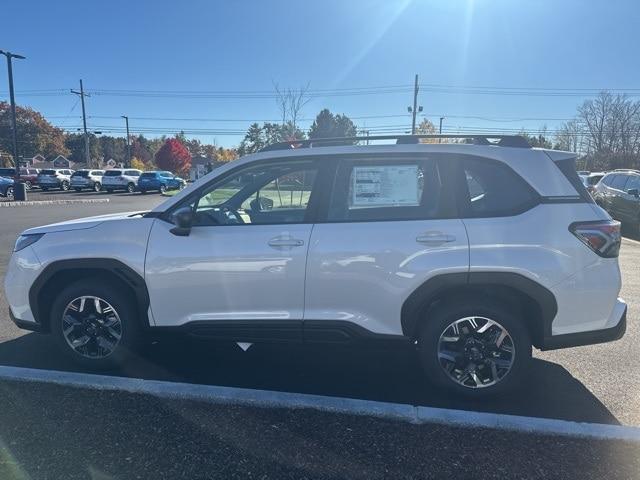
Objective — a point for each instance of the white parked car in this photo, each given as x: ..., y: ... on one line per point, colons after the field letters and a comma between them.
x: 121, y: 179
x: 87, y: 179
x: 55, y: 178
x: 471, y: 253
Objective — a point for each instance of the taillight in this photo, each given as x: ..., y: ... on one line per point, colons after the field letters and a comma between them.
x: 601, y: 236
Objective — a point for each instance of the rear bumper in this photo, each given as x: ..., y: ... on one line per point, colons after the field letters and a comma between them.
x: 591, y: 337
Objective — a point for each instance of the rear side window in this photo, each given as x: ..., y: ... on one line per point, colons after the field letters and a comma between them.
x: 385, y: 191
x: 48, y: 172
x: 608, y: 179
x: 82, y: 173
x: 112, y: 173
x: 619, y: 182
x: 148, y: 175
x: 492, y: 189
x: 568, y: 169
x: 132, y: 173
x: 634, y: 182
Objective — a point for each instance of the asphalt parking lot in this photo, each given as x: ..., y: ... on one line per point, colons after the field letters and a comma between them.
x: 598, y: 384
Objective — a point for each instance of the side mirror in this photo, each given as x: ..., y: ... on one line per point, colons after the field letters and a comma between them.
x: 634, y: 192
x: 183, y: 221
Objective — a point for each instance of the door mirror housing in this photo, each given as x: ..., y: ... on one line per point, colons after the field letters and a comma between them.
x: 634, y: 191
x: 183, y: 221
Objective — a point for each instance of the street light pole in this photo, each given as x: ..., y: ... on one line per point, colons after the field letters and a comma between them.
x: 14, y: 133
x: 440, y: 129
x: 126, y: 119
x: 87, y: 155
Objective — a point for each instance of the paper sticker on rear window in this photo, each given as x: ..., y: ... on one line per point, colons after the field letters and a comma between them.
x: 385, y: 185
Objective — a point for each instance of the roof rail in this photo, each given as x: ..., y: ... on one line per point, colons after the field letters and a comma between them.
x: 627, y: 170
x: 503, y: 141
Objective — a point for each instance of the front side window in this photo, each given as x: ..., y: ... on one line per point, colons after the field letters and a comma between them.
x: 385, y: 190
x: 633, y: 183
x: 268, y: 194
x: 619, y: 182
x: 493, y: 190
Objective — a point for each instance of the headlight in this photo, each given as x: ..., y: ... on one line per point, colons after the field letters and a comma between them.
x: 25, y: 240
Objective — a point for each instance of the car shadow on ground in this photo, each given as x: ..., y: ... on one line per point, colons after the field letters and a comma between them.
x: 549, y: 391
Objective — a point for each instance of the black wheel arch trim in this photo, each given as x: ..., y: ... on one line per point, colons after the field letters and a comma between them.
x: 115, y: 267
x: 441, y: 285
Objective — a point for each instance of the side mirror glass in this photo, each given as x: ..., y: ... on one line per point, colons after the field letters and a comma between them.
x: 634, y: 192
x: 183, y: 221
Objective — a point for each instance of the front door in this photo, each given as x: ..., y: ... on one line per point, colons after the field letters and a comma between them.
x: 244, y: 259
x: 628, y: 204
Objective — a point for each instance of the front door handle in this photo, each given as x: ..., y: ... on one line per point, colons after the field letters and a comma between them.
x: 435, y: 238
x: 279, y: 242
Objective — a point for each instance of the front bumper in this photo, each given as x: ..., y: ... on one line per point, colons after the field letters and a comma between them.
x: 590, y: 337
x: 24, y: 267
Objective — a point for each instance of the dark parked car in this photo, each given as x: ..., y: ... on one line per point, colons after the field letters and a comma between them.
x: 6, y: 188
x: 160, y: 181
x: 28, y: 175
x: 619, y: 194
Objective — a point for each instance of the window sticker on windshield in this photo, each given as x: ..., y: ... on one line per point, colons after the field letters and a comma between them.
x: 380, y: 186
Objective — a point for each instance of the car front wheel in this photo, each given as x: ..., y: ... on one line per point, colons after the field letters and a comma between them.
x: 10, y: 195
x: 97, y: 187
x: 95, y: 324
x: 64, y: 186
x: 131, y: 188
x: 163, y: 188
x: 474, y: 348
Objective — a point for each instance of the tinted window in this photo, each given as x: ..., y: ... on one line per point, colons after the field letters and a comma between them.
x: 81, y: 174
x: 113, y: 173
x: 634, y: 182
x: 148, y: 175
x: 97, y: 172
x: 132, y: 173
x: 48, y: 172
x: 266, y: 194
x: 494, y: 190
x: 166, y: 174
x: 593, y: 179
x: 7, y: 171
x: 389, y: 190
x: 619, y: 182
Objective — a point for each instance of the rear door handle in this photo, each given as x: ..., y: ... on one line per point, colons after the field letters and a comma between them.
x: 435, y: 238
x: 285, y: 242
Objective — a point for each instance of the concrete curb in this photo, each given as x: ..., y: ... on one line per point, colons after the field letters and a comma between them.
x: 33, y: 203
x: 270, y: 399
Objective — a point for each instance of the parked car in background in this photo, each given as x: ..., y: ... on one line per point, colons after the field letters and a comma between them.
x: 121, y: 179
x: 161, y: 181
x: 28, y: 175
x: 467, y: 253
x: 55, y: 178
x: 590, y: 181
x: 619, y: 194
x: 6, y: 187
x: 87, y: 179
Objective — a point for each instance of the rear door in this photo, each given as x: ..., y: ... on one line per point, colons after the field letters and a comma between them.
x: 388, y: 226
x: 617, y: 193
x: 629, y: 204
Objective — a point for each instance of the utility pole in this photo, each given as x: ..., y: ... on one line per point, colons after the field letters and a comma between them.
x: 440, y: 129
x: 415, y: 109
x: 87, y: 155
x: 126, y: 119
x: 20, y: 195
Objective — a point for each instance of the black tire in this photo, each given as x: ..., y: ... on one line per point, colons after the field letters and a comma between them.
x: 142, y: 192
x: 64, y: 186
x: 44, y: 189
x: 163, y: 188
x: 28, y: 185
x: 97, y: 187
x: 109, y: 190
x: 78, y: 189
x: 131, y: 187
x: 121, y: 303
x: 10, y: 193
x: 442, y: 316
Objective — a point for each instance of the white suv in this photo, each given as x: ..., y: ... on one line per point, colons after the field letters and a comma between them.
x: 55, y: 178
x: 471, y: 253
x: 121, y: 179
x: 89, y: 179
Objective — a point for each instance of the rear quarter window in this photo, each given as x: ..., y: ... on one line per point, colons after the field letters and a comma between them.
x: 619, y: 182
x: 490, y: 188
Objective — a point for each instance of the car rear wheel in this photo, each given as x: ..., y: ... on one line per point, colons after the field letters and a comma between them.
x: 45, y: 189
x: 77, y: 189
x: 28, y: 185
x: 163, y: 188
x: 64, y: 186
x: 95, y: 324
x: 109, y: 190
x: 142, y: 192
x: 10, y: 193
x: 475, y: 348
x: 97, y: 187
x: 131, y: 187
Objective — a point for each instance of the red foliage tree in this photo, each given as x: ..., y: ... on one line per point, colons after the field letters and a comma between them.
x: 173, y: 156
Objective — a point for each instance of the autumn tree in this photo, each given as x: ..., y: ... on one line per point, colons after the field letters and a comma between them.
x: 35, y: 134
x: 173, y: 156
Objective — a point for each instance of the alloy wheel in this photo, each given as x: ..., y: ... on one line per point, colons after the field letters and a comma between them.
x: 10, y: 193
x: 91, y: 327
x: 476, y: 352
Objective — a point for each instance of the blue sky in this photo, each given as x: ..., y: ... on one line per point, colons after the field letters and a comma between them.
x: 247, y: 45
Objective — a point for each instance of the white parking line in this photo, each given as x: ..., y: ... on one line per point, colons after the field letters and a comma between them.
x: 270, y: 399
x: 630, y: 240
